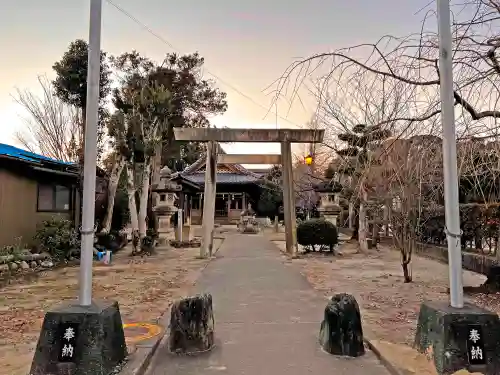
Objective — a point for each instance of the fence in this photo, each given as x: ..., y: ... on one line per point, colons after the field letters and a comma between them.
x: 479, y: 224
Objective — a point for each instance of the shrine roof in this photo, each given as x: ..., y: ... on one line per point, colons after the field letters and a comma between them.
x: 232, y: 173
x: 223, y: 178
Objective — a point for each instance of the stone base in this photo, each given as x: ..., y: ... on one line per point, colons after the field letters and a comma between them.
x: 97, y: 348
x: 341, y: 332
x: 187, y: 233
x: 443, y: 333
x: 164, y: 225
x: 185, y: 244
x: 192, y: 325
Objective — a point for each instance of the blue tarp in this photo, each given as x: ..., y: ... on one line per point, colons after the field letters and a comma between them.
x: 21, y: 154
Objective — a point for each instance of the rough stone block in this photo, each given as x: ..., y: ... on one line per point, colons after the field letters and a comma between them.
x: 341, y: 332
x: 493, y: 280
x: 192, y: 325
x: 96, y: 348
x: 443, y: 333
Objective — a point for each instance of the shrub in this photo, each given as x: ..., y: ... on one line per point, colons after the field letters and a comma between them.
x: 113, y: 241
x: 317, y: 232
x: 14, y: 250
x: 58, y: 238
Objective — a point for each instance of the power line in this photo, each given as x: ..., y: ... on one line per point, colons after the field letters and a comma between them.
x: 218, y: 78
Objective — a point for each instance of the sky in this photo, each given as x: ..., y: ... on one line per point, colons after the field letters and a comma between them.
x: 247, y: 45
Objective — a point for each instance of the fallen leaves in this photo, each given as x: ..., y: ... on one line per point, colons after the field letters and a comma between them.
x: 144, y: 289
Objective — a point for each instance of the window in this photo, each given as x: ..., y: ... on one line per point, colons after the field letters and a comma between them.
x: 53, y: 198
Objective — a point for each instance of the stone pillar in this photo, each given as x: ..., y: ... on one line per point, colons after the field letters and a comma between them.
x: 288, y: 199
x: 387, y: 218
x: 351, y: 215
x: 189, y: 209
x: 244, y: 202
x: 182, y: 201
x: 209, y: 200
x: 228, y: 204
x: 331, y: 218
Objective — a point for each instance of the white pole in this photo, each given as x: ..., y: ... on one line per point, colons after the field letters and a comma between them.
x: 452, y: 212
x: 90, y: 156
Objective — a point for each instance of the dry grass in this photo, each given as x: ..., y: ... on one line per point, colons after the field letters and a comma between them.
x: 145, y: 288
x: 389, y: 306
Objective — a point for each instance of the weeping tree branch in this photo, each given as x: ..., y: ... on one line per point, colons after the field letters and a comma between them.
x: 412, y: 62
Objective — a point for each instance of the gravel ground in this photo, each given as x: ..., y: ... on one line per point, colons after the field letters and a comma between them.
x: 144, y: 287
x: 389, y: 306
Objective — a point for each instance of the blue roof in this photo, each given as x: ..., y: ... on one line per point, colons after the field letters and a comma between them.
x: 18, y: 153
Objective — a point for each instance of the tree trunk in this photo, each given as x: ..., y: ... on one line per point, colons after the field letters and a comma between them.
x: 134, y: 222
x: 408, y: 243
x: 406, y: 273
x: 497, y: 244
x: 355, y: 232
x: 143, y: 201
x: 81, y: 151
x: 351, y: 215
x: 362, y: 234
x: 114, y: 179
x: 154, y: 221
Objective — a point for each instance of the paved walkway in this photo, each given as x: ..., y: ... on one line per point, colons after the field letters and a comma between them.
x: 267, y: 319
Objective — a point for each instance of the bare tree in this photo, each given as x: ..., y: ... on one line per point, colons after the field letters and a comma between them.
x: 53, y: 128
x: 356, y: 109
x: 412, y: 61
x: 409, y: 176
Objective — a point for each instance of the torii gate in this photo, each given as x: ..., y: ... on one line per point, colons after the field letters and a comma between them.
x: 283, y: 136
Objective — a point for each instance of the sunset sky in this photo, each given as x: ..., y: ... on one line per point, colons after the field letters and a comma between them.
x: 246, y: 44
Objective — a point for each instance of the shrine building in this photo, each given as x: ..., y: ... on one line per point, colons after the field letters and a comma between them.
x: 237, y: 187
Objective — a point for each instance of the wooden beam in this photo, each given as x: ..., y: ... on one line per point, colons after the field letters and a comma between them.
x: 249, y: 159
x: 249, y: 135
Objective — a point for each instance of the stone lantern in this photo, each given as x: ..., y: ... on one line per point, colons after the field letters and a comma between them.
x: 329, y: 206
x: 164, y: 204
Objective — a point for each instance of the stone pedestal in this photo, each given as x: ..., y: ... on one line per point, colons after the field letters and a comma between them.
x: 164, y: 224
x: 331, y: 218
x: 84, y: 340
x: 456, y: 339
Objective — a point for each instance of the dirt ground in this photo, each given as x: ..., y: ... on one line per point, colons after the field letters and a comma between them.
x: 144, y: 288
x: 389, y: 307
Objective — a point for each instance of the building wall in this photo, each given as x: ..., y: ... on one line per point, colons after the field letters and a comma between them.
x: 18, y: 209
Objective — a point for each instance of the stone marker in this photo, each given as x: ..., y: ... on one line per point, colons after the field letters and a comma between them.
x: 493, y: 278
x: 192, y: 325
x: 81, y: 340
x: 341, y: 332
x: 457, y: 339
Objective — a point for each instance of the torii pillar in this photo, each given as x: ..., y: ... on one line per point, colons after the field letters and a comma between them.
x: 208, y: 222
x: 283, y: 136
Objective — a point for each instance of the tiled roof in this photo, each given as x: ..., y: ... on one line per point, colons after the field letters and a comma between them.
x: 193, y: 168
x: 223, y: 178
x: 17, y: 153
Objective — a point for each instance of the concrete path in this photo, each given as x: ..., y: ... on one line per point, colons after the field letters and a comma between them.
x: 267, y: 319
